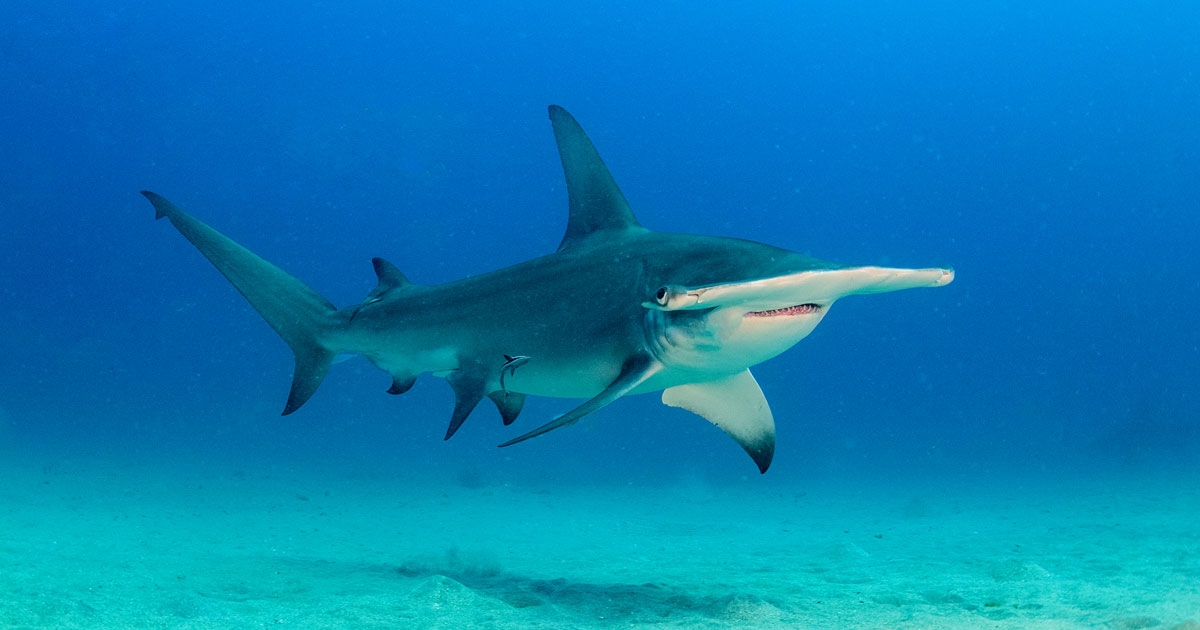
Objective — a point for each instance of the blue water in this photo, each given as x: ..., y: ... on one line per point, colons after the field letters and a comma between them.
x: 1050, y: 153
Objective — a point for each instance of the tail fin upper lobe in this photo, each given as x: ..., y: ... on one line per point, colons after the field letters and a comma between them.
x: 299, y: 314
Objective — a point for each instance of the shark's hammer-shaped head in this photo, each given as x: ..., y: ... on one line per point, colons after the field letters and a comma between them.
x: 724, y: 328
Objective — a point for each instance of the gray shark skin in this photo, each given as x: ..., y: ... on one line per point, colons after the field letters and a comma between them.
x: 619, y: 309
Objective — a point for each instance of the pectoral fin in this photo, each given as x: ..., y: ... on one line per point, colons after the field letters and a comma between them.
x: 735, y: 404
x: 635, y: 372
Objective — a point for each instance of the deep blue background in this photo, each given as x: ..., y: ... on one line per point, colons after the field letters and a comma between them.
x: 1049, y: 153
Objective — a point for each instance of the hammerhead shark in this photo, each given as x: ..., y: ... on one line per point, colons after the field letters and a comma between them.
x: 618, y: 309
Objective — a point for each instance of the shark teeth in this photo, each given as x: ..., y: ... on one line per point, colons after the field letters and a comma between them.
x: 787, y: 311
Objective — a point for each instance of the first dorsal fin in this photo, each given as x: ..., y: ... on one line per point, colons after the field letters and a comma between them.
x: 596, y: 203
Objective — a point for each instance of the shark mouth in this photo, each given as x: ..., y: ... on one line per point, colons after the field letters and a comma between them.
x: 788, y: 311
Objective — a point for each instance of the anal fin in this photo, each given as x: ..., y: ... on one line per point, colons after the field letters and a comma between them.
x: 401, y: 384
x: 635, y: 372
x: 737, y: 406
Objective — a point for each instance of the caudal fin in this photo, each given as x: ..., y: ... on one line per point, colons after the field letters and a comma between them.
x: 299, y: 314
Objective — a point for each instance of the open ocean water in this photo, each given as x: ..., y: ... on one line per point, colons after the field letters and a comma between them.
x: 1019, y: 449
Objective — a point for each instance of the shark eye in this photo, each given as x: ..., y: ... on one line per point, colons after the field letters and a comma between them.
x: 661, y: 296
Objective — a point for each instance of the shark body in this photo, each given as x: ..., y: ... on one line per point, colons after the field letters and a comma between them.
x: 618, y: 309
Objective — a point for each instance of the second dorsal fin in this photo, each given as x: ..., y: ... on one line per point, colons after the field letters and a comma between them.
x: 596, y: 203
x: 389, y: 277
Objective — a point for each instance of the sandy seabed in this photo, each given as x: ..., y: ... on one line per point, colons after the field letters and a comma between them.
x: 90, y: 544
